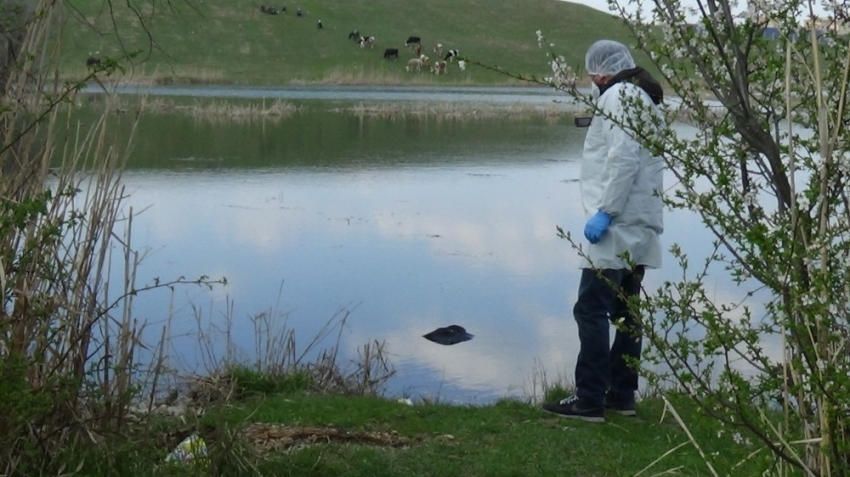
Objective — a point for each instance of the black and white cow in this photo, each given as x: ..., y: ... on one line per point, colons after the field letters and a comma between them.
x: 366, y: 40
x: 354, y: 35
x: 451, y: 55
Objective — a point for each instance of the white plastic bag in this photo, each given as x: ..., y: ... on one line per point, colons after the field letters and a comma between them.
x: 191, y: 449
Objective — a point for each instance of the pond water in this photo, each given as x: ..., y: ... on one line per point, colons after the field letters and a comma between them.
x: 405, y: 223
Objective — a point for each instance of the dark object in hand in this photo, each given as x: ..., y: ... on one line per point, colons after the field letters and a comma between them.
x: 583, y: 122
x: 449, y: 335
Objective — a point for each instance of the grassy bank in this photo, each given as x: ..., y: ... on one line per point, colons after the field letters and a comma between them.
x: 508, y: 438
x: 233, y: 42
x: 298, y: 432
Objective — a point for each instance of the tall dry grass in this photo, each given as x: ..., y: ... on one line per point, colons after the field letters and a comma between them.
x: 278, y: 359
x: 69, y: 342
x: 812, y: 336
x: 140, y: 75
x: 75, y: 368
x: 224, y: 111
x: 229, y: 111
x: 464, y: 111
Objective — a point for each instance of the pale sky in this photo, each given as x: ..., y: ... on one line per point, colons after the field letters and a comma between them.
x: 597, y: 4
x: 602, y: 5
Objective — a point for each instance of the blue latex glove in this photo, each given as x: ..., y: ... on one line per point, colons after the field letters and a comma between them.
x: 596, y: 226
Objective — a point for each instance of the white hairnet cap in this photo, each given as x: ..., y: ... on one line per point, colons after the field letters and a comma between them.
x: 607, y: 58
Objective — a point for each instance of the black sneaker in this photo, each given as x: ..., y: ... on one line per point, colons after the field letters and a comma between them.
x: 575, y: 408
x: 622, y: 407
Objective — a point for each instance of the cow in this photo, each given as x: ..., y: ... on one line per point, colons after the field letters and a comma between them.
x: 319, y: 25
x: 92, y: 61
x: 391, y: 53
x: 415, y: 63
x: 366, y: 40
x: 451, y: 55
x: 354, y: 35
x: 412, y: 39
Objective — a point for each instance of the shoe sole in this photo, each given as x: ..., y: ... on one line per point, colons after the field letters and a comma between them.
x: 621, y: 411
x: 598, y: 420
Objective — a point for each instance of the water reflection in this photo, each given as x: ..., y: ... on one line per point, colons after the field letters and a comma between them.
x: 411, y: 225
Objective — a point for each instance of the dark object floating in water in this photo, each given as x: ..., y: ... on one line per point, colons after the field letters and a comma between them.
x: 449, y: 335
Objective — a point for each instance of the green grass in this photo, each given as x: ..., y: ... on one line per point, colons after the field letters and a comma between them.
x: 282, y: 427
x: 508, y: 438
x: 233, y: 42
x: 250, y: 383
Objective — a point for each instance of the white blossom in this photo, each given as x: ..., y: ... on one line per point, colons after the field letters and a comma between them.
x: 750, y: 196
x: 564, y: 76
x: 843, y: 162
x: 741, y: 440
x: 802, y: 201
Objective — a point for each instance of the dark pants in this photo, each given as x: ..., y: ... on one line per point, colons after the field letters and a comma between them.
x: 601, y: 367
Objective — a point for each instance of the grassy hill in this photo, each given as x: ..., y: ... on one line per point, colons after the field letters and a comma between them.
x: 231, y: 41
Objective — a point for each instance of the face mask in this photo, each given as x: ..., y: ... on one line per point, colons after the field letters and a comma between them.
x: 594, y: 91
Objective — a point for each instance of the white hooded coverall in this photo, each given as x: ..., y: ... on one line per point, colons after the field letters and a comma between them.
x: 623, y: 180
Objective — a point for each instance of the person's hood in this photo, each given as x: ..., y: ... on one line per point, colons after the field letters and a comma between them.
x: 639, y: 77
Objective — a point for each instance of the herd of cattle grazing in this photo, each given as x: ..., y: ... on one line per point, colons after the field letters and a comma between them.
x: 420, y: 61
x: 281, y: 11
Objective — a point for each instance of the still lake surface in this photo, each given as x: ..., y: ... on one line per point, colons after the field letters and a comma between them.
x: 408, y: 223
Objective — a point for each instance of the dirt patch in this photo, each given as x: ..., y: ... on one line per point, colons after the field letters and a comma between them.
x: 265, y: 438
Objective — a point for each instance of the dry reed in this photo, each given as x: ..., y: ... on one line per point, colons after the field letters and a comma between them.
x: 70, y: 344
x: 461, y: 111
x: 141, y: 76
x: 225, y: 111
x: 275, y: 354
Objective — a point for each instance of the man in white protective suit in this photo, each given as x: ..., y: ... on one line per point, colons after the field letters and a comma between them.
x: 621, y: 184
